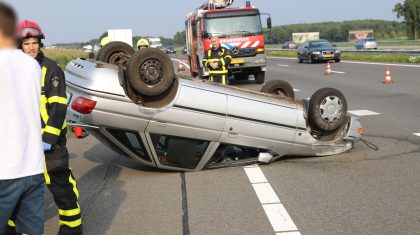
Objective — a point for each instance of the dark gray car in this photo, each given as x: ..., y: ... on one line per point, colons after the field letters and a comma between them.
x: 318, y: 50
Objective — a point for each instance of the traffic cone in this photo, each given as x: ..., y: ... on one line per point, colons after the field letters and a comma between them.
x: 388, y: 79
x: 328, y: 69
x: 78, y: 132
x: 180, y: 65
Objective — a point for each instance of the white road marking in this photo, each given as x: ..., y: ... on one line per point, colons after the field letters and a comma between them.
x: 283, y: 65
x: 417, y: 134
x: 184, y: 63
x: 337, y: 72
x: 295, y: 89
x: 274, y: 209
x: 363, y: 112
x: 354, y: 62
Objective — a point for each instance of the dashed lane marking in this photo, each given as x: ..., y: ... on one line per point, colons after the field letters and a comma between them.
x: 295, y: 90
x: 277, y: 215
x: 417, y: 134
x: 283, y: 65
x: 363, y: 113
x: 337, y: 72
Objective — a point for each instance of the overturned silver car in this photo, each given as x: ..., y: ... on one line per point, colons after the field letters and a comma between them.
x: 134, y: 103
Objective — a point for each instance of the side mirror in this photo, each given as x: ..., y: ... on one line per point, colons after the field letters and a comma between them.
x: 269, y: 23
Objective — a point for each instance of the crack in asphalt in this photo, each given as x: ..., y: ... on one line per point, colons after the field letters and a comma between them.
x: 88, y: 203
x: 185, y: 222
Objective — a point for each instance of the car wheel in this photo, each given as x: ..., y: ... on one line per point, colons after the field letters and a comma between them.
x: 278, y: 88
x: 150, y: 72
x: 259, y: 77
x: 310, y: 60
x: 115, y: 52
x: 327, y: 109
x: 337, y: 60
x: 300, y: 60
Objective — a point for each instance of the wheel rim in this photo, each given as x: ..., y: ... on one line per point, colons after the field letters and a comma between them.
x: 330, y: 108
x: 119, y: 56
x: 151, y: 72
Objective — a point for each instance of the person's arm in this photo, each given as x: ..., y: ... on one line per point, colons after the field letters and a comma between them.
x: 57, y: 106
x: 206, y: 60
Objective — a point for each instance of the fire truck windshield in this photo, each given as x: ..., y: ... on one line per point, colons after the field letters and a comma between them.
x: 233, y: 25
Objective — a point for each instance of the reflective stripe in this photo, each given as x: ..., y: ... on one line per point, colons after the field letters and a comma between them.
x: 11, y: 223
x: 218, y: 72
x: 211, y: 78
x: 73, y: 182
x: 64, y: 125
x: 57, y: 99
x: 223, y: 63
x: 44, y: 72
x: 72, y: 224
x: 214, y: 60
x: 72, y: 212
x: 52, y: 130
x: 228, y: 56
x: 224, y: 79
x: 46, y: 175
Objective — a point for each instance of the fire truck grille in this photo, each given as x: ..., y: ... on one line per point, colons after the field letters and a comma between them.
x: 243, y: 52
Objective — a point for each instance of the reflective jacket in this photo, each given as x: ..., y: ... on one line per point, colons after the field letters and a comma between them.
x: 221, y: 56
x: 53, y: 102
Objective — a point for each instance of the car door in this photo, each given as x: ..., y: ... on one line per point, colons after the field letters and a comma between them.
x: 182, y: 134
x: 260, y: 123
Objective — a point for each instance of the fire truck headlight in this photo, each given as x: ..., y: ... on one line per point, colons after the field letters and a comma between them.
x: 260, y: 50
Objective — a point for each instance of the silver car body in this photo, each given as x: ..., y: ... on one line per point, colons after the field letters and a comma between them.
x: 197, y: 110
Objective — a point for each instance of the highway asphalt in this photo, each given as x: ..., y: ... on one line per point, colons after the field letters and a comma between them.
x: 359, y: 192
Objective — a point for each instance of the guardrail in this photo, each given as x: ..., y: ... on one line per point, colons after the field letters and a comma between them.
x: 416, y: 51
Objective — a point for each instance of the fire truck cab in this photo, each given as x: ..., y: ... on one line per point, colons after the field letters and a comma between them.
x: 240, y: 31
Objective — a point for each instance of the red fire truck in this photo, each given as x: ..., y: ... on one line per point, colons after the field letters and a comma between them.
x: 240, y: 31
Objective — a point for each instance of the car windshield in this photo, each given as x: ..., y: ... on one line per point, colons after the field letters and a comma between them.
x: 370, y: 39
x: 320, y: 44
x: 238, y: 25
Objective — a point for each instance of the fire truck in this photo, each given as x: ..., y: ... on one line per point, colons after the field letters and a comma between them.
x: 240, y: 31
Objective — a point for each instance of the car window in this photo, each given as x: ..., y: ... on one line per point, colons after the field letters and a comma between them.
x: 132, y: 141
x: 320, y: 44
x: 177, y: 151
x: 228, y: 153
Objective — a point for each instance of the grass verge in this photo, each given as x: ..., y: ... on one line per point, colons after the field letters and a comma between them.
x: 371, y: 57
x: 63, y: 56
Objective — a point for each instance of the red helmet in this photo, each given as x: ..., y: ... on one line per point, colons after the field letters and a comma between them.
x: 29, y: 29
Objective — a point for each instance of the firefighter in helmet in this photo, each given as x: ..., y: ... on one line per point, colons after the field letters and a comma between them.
x: 104, y: 41
x: 216, y: 60
x: 142, y: 43
x: 58, y: 175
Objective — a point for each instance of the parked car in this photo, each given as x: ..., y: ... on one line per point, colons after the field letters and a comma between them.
x: 170, y: 50
x: 366, y: 43
x: 144, y: 112
x: 318, y: 50
x: 289, y: 45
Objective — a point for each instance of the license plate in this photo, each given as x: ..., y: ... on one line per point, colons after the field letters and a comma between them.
x: 237, y: 61
x: 69, y: 95
x: 328, y: 56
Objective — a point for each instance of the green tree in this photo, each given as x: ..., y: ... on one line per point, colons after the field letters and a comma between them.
x: 410, y: 11
x: 179, y: 38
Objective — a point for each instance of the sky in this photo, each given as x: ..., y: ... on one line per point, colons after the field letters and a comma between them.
x: 83, y: 20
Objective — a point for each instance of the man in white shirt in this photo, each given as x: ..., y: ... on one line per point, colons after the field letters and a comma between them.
x: 21, y: 149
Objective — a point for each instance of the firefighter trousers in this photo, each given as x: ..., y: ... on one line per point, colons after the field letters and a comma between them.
x: 220, y: 78
x: 62, y: 185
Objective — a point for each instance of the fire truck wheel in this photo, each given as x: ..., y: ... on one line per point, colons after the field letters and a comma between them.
x: 150, y: 72
x: 327, y: 109
x: 278, y: 88
x: 115, y: 52
x: 259, y: 77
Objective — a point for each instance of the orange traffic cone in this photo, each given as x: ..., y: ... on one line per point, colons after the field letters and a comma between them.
x: 328, y: 69
x: 388, y: 79
x: 78, y: 132
x: 180, y: 66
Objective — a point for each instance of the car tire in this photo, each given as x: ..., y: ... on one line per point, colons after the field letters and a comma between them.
x: 115, y: 52
x: 327, y: 109
x: 310, y: 60
x: 150, y: 72
x: 259, y: 77
x: 278, y: 88
x: 300, y: 60
x: 337, y: 60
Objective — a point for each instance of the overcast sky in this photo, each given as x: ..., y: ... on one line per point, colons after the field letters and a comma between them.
x: 83, y: 20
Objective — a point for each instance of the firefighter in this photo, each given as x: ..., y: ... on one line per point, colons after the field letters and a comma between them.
x: 104, y: 41
x: 216, y: 60
x: 142, y: 43
x: 58, y: 175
